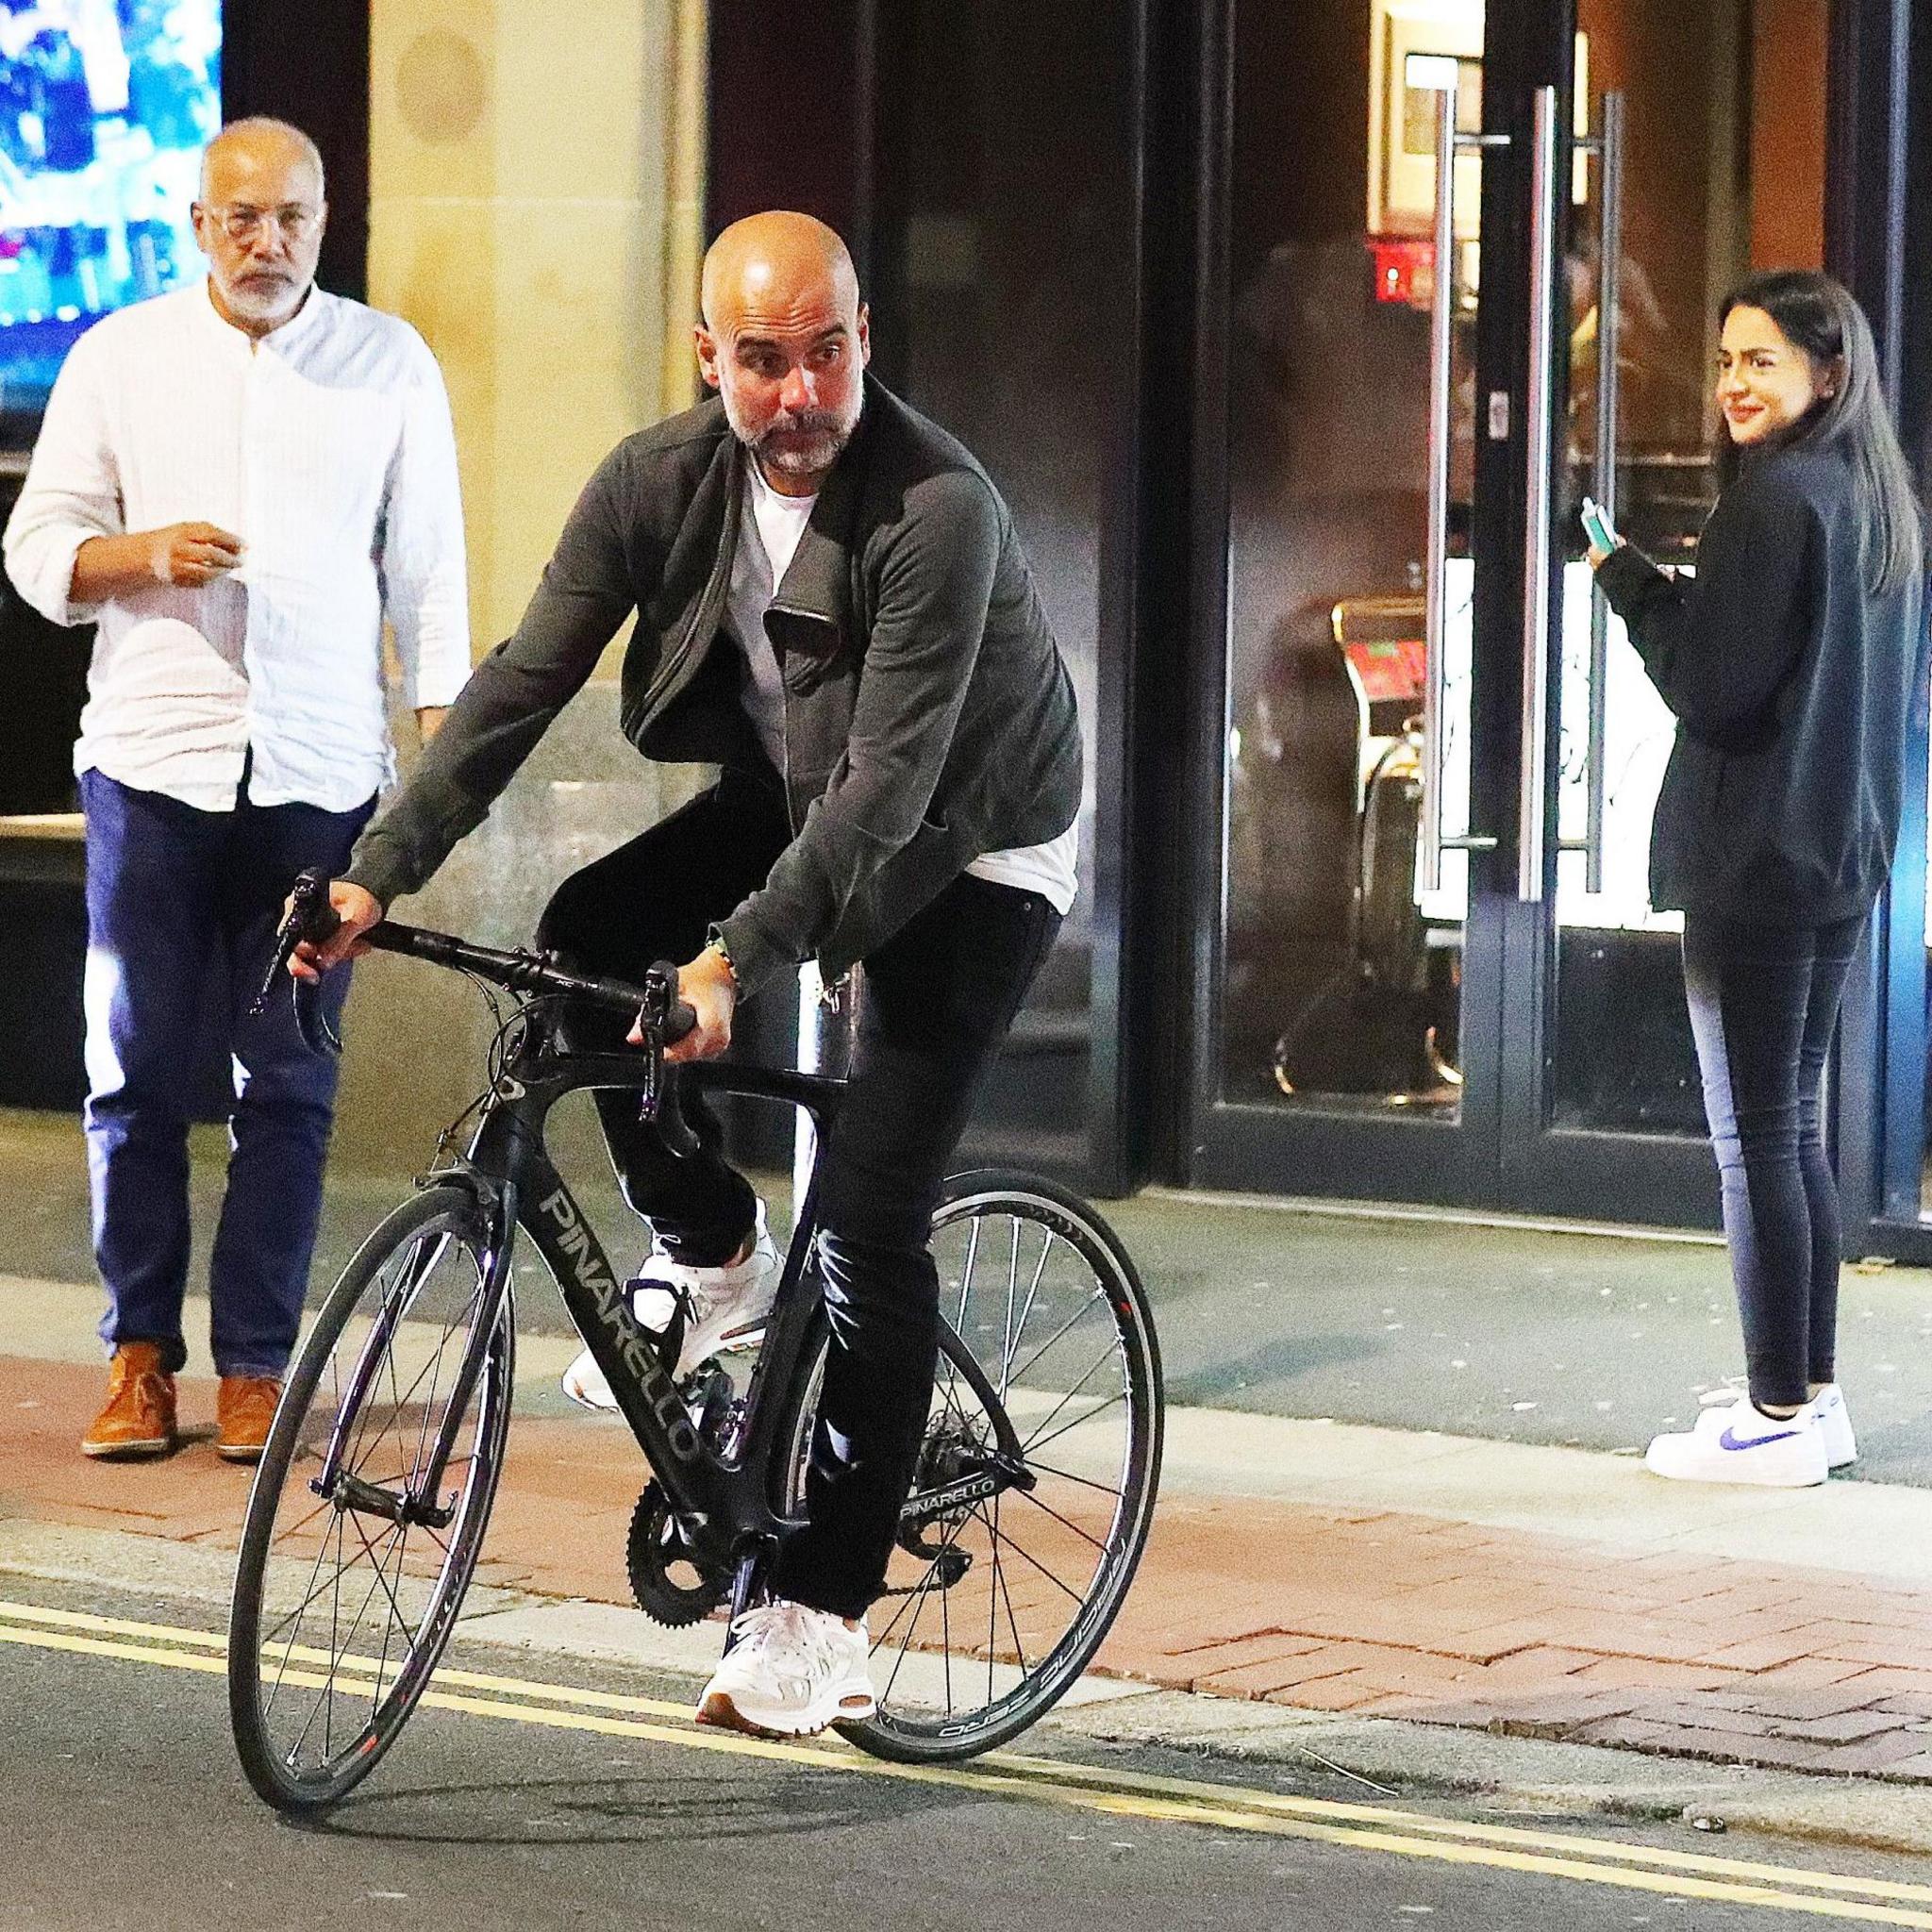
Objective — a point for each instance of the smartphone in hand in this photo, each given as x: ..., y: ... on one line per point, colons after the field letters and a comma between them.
x: 1597, y: 527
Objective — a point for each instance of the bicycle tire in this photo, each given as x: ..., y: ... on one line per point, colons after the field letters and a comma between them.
x: 405, y: 1307
x: 1009, y: 1404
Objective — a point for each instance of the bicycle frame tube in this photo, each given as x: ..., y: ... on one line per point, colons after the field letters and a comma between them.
x: 728, y: 1500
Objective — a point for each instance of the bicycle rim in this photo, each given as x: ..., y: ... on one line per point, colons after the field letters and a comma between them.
x: 344, y: 1600
x: 995, y: 1606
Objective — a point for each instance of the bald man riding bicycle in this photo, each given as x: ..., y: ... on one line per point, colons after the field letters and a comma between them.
x: 834, y: 609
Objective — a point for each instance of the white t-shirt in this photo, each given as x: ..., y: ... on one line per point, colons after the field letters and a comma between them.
x: 768, y: 540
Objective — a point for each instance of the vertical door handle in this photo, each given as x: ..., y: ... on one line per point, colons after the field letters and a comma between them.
x: 1609, y: 147
x: 1435, y: 584
x: 1536, y: 432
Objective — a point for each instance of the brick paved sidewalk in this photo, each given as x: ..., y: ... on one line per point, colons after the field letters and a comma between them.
x: 1361, y: 1609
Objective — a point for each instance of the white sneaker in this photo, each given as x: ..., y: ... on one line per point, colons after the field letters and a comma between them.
x: 587, y: 1385
x: 1736, y: 1442
x: 724, y: 1309
x: 793, y: 1671
x: 1826, y: 1408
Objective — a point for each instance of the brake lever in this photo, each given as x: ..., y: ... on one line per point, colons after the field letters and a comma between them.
x: 311, y: 918
x: 663, y: 1013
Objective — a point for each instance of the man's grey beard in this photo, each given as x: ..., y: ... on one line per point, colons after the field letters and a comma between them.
x: 806, y: 460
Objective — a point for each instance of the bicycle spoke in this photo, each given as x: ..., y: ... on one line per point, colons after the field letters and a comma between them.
x: 911, y: 1631
x: 1013, y: 1294
x: 1019, y: 1550
x: 966, y: 1273
x: 1086, y: 1415
x: 999, y: 1580
x: 1067, y: 1476
x: 1025, y: 1315
x: 992, y: 1612
x: 946, y: 1642
x: 1065, y: 1328
x: 402, y: 1537
x: 350, y: 1604
x: 1049, y: 1339
x: 314, y: 1591
x: 878, y: 1642
x: 302, y: 1522
x: 1110, y: 1353
x: 316, y: 1710
x: 919, y: 1590
x: 1033, y: 1497
x: 422, y: 1436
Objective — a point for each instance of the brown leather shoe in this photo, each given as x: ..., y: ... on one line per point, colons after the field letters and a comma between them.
x: 139, y: 1420
x: 244, y: 1407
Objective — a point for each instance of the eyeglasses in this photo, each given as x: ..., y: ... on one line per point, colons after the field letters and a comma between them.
x: 242, y: 223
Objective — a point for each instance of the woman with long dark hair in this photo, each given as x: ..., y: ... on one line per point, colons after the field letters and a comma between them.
x: 1790, y: 659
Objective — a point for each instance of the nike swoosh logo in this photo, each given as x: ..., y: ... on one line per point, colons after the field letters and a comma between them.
x: 1729, y: 1439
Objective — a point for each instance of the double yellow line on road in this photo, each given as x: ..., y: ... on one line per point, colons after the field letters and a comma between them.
x: 1112, y: 1793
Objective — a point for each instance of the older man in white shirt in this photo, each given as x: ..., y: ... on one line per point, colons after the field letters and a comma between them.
x: 237, y: 482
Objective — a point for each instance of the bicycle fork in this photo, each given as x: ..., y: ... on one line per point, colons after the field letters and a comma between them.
x: 416, y: 1503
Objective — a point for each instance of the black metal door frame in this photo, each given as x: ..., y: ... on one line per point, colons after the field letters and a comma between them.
x: 1879, y: 219
x: 1503, y: 1154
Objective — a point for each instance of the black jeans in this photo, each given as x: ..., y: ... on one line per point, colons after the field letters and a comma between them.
x: 940, y: 996
x: 1764, y: 1002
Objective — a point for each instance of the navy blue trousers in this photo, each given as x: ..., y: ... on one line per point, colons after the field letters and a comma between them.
x: 178, y: 897
x: 1764, y: 1003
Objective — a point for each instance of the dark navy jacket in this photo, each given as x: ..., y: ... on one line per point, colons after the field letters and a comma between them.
x: 1793, y: 687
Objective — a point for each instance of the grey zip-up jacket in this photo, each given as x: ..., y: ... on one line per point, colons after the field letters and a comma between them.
x: 928, y: 716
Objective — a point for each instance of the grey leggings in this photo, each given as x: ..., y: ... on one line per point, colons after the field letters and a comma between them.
x: 1764, y: 1003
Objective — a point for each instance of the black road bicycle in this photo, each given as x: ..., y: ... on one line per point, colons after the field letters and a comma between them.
x: 1035, y: 1484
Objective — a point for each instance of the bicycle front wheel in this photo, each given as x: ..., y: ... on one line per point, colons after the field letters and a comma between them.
x: 1048, y: 1395
x: 368, y: 1511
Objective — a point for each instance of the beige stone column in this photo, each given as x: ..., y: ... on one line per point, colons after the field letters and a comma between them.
x: 536, y: 187
x: 536, y: 202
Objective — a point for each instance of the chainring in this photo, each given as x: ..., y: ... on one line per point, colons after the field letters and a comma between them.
x: 672, y: 1587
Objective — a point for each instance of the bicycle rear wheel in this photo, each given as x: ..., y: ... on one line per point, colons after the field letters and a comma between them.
x: 1048, y: 1367
x: 354, y: 1556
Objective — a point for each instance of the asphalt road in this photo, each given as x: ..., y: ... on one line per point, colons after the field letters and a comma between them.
x: 123, y: 1807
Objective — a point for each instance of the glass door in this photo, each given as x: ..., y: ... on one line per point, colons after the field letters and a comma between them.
x: 1695, y: 154
x: 1339, y: 1013
x: 1473, y: 254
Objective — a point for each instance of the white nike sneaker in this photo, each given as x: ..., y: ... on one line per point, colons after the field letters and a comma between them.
x: 1826, y: 1408
x: 794, y: 1671
x: 1736, y: 1442
x: 724, y: 1309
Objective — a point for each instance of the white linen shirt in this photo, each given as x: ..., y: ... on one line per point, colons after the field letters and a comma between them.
x: 327, y: 447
